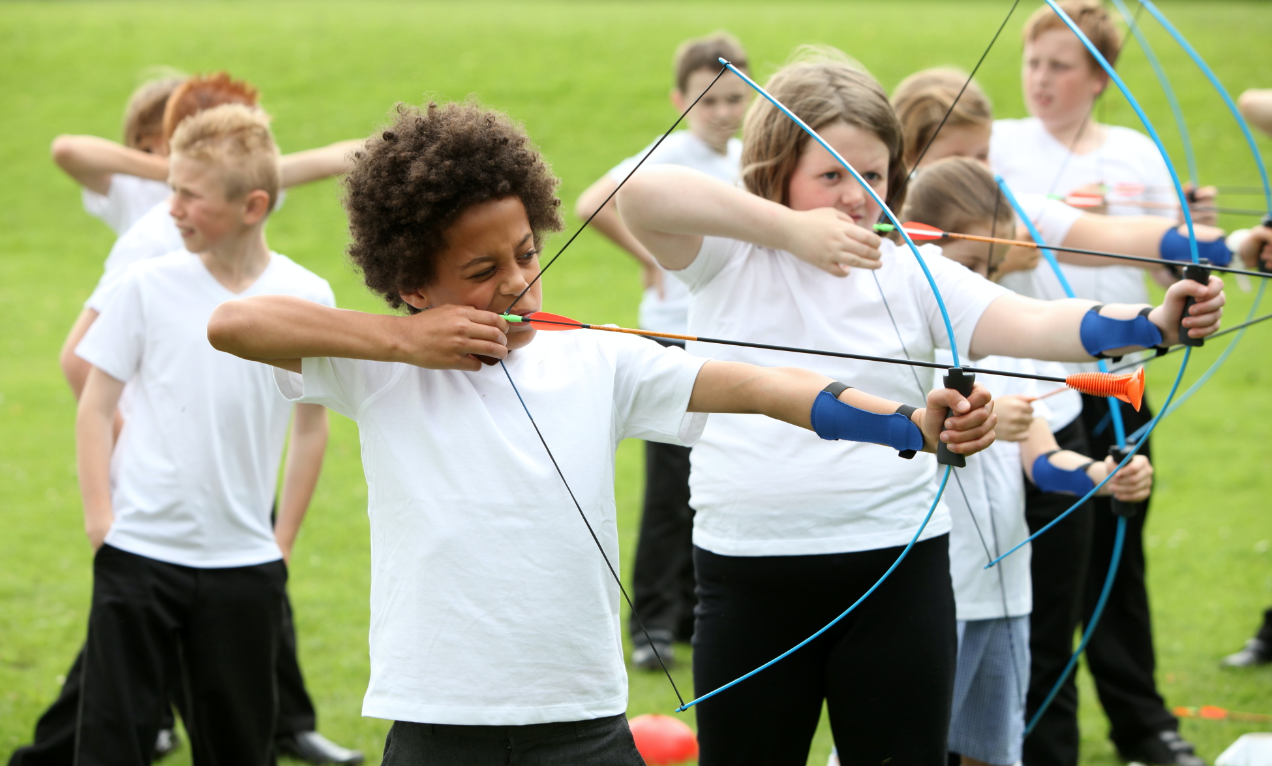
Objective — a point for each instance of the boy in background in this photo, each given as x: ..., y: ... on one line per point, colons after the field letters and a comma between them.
x: 189, y: 573
x: 663, y: 581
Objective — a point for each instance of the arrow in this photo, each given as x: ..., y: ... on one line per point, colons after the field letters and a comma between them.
x: 1129, y: 387
x: 1095, y: 200
x: 1212, y: 713
x: 923, y: 232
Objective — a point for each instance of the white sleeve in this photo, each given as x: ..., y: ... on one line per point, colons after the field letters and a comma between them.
x: 966, y: 295
x: 100, y: 206
x: 343, y: 385
x: 115, y: 342
x: 652, y: 386
x: 712, y: 257
x: 622, y: 169
x: 1052, y: 217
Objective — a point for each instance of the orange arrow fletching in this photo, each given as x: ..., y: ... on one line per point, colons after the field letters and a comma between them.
x: 1129, y: 387
x: 542, y: 320
x: 1083, y: 200
x: 918, y: 230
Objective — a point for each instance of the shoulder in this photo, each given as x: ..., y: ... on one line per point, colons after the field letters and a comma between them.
x: 293, y: 279
x: 1123, y: 139
x: 1013, y: 129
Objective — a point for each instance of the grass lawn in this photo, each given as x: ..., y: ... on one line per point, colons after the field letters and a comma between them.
x: 590, y: 81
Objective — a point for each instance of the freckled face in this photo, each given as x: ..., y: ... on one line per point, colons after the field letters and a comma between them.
x: 820, y: 181
x: 1059, y: 81
x: 489, y: 259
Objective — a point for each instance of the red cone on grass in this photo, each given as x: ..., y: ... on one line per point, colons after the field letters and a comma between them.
x: 662, y: 739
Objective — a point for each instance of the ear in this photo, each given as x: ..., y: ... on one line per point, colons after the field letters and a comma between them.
x: 416, y: 298
x: 1102, y: 77
x: 255, y: 206
x: 678, y: 99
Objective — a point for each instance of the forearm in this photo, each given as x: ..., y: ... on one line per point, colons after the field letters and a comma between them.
x: 1038, y: 441
x: 309, y: 165
x: 781, y: 393
x: 91, y: 161
x: 1026, y: 328
x: 1138, y: 235
x: 669, y: 210
x: 607, y: 221
x: 94, y: 442
x: 273, y: 328
x: 300, y: 473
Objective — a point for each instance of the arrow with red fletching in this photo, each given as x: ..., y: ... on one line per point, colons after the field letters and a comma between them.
x: 1128, y: 387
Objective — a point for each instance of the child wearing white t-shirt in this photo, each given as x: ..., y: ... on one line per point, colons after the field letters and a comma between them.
x: 1061, y: 149
x: 495, y: 625
x: 987, y: 508
x: 784, y: 536
x: 662, y: 576
x: 189, y: 574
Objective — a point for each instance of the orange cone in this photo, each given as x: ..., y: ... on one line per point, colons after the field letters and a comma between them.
x: 1129, y: 388
x: 662, y: 739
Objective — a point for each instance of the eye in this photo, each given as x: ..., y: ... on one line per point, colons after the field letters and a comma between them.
x: 527, y: 255
x: 832, y: 175
x: 872, y: 176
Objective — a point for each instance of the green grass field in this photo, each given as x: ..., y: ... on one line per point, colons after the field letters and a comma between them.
x: 590, y: 82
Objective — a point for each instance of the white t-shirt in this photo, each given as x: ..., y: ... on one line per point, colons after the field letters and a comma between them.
x: 987, y: 510
x: 194, y: 471
x: 154, y: 234
x: 490, y: 603
x: 1032, y: 161
x: 670, y: 313
x: 127, y: 200
x: 761, y: 488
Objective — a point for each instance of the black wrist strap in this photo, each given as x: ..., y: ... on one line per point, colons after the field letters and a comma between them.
x: 835, y: 388
x: 908, y: 411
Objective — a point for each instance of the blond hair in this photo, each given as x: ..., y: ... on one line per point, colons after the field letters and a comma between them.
x: 922, y: 100
x: 1090, y: 17
x: 235, y: 138
x: 143, y: 117
x: 957, y: 194
x: 705, y: 53
x: 822, y: 91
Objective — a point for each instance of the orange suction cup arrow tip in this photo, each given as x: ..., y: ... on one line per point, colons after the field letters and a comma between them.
x: 918, y: 230
x: 542, y: 320
x: 1129, y: 388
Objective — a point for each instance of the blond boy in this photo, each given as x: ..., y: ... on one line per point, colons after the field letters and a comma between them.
x: 189, y: 574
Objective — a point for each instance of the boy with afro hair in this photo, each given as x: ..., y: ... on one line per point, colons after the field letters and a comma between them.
x: 495, y: 626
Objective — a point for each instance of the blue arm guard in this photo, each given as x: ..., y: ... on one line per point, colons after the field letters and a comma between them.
x: 833, y: 419
x: 1048, y: 478
x: 1100, y: 333
x: 1174, y: 247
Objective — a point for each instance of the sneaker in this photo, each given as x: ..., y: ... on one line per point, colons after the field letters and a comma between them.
x: 1255, y: 652
x: 643, y: 656
x: 166, y: 741
x: 1165, y: 748
x: 312, y: 747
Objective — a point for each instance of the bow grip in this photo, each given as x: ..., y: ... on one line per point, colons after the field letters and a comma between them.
x: 1197, y: 272
x: 961, y: 382
x: 1120, y: 507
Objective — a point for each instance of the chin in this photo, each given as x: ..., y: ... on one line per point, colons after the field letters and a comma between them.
x: 521, y: 338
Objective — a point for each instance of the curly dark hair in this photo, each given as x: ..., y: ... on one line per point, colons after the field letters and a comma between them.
x: 415, y: 178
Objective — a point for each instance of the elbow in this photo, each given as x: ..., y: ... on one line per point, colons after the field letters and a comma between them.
x: 228, y: 324
x: 63, y: 151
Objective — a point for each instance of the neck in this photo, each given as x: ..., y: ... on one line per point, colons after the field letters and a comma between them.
x: 1081, y: 132
x: 720, y: 146
x: 238, y: 262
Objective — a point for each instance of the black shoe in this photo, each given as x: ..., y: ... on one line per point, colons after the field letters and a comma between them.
x: 644, y: 658
x: 1255, y: 652
x: 1165, y: 748
x: 312, y: 747
x: 166, y: 741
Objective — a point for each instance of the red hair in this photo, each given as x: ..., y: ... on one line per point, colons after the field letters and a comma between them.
x: 204, y: 92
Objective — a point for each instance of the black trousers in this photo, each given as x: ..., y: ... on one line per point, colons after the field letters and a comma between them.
x: 1265, y: 630
x: 54, y: 743
x: 150, y: 621
x: 886, y: 671
x: 662, y: 577
x: 1121, y: 655
x: 1058, y: 567
x: 599, y: 742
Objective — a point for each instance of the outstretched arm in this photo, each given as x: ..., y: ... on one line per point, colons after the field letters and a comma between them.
x: 310, y: 165
x: 300, y: 475
x: 1130, y: 235
x: 1132, y: 484
x: 281, y: 330
x: 788, y: 394
x: 670, y: 209
x: 91, y: 161
x: 1014, y: 325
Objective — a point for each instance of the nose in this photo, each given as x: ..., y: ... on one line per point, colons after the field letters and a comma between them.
x: 174, y: 206
x: 851, y: 194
